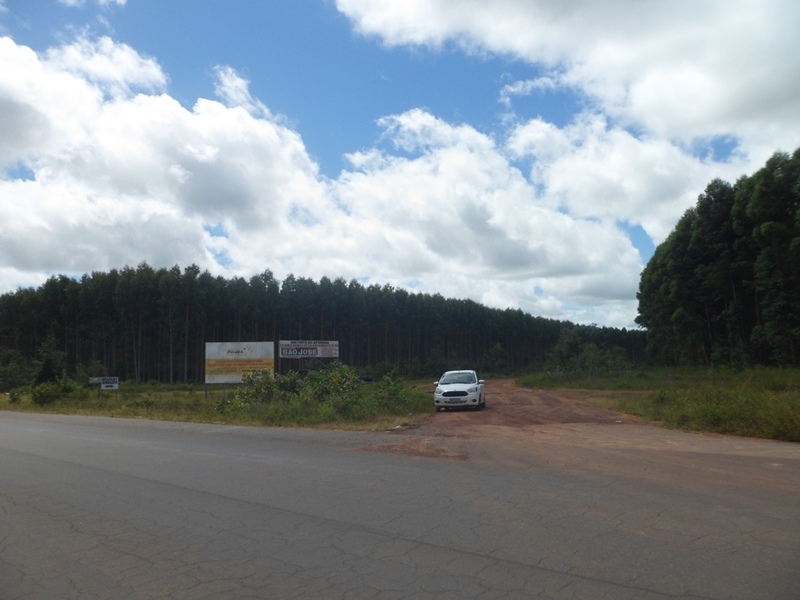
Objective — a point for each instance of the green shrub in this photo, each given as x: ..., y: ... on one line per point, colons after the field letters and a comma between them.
x: 16, y: 371
x: 331, y: 395
x: 46, y: 393
x: 50, y: 391
x: 73, y: 391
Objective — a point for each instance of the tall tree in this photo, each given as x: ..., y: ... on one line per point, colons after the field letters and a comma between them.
x: 724, y: 285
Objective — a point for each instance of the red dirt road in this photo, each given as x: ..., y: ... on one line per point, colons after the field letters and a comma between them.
x: 560, y: 429
x: 515, y: 407
x: 514, y: 418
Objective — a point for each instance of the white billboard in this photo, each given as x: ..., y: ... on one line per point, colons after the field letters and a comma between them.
x: 308, y: 349
x: 226, y: 362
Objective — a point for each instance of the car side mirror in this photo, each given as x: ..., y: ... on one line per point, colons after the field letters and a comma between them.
x: 435, y: 383
x: 481, y: 381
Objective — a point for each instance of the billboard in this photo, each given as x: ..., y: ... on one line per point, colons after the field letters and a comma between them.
x: 226, y: 362
x: 308, y: 349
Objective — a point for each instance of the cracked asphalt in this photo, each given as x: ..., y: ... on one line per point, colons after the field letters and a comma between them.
x: 539, y: 496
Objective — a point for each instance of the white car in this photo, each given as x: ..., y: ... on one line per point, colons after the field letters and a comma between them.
x: 456, y: 389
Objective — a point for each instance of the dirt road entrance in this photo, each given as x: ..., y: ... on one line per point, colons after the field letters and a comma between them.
x: 560, y: 426
x: 516, y: 407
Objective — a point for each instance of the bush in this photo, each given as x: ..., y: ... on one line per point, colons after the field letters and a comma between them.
x: 15, y: 370
x: 46, y: 393
x: 50, y: 391
x: 335, y: 394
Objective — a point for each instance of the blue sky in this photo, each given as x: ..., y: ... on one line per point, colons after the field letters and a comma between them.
x: 521, y: 153
x: 302, y: 59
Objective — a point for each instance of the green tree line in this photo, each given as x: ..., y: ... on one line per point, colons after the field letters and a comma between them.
x: 145, y: 324
x: 724, y: 287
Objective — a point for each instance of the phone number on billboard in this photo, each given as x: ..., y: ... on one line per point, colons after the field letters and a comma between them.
x: 298, y: 352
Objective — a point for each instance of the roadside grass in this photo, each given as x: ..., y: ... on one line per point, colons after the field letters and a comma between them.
x: 761, y: 403
x: 146, y: 401
x: 334, y: 398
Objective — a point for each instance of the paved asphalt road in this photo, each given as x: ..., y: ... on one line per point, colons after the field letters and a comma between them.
x: 125, y: 509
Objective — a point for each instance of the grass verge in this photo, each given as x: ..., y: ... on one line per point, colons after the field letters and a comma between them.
x: 762, y: 403
x: 334, y: 398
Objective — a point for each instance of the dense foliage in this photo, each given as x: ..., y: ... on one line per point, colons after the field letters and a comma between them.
x: 330, y: 395
x: 724, y: 287
x: 144, y: 324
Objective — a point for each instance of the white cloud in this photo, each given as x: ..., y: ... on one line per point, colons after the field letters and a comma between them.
x: 80, y: 3
x: 528, y: 218
x: 685, y: 71
x: 593, y: 170
x: 127, y: 177
x: 660, y: 84
x: 525, y: 88
x: 462, y: 216
x: 234, y: 90
x: 124, y: 177
x: 115, y: 68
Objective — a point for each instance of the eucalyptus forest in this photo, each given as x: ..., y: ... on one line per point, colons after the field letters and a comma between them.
x: 144, y: 324
x: 722, y: 289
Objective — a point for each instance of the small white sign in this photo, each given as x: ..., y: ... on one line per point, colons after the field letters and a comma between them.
x: 109, y: 383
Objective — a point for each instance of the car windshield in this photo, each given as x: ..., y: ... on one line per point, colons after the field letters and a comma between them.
x: 458, y: 378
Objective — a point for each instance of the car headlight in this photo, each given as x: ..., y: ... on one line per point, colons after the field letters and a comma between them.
x: 473, y: 389
x: 438, y: 391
